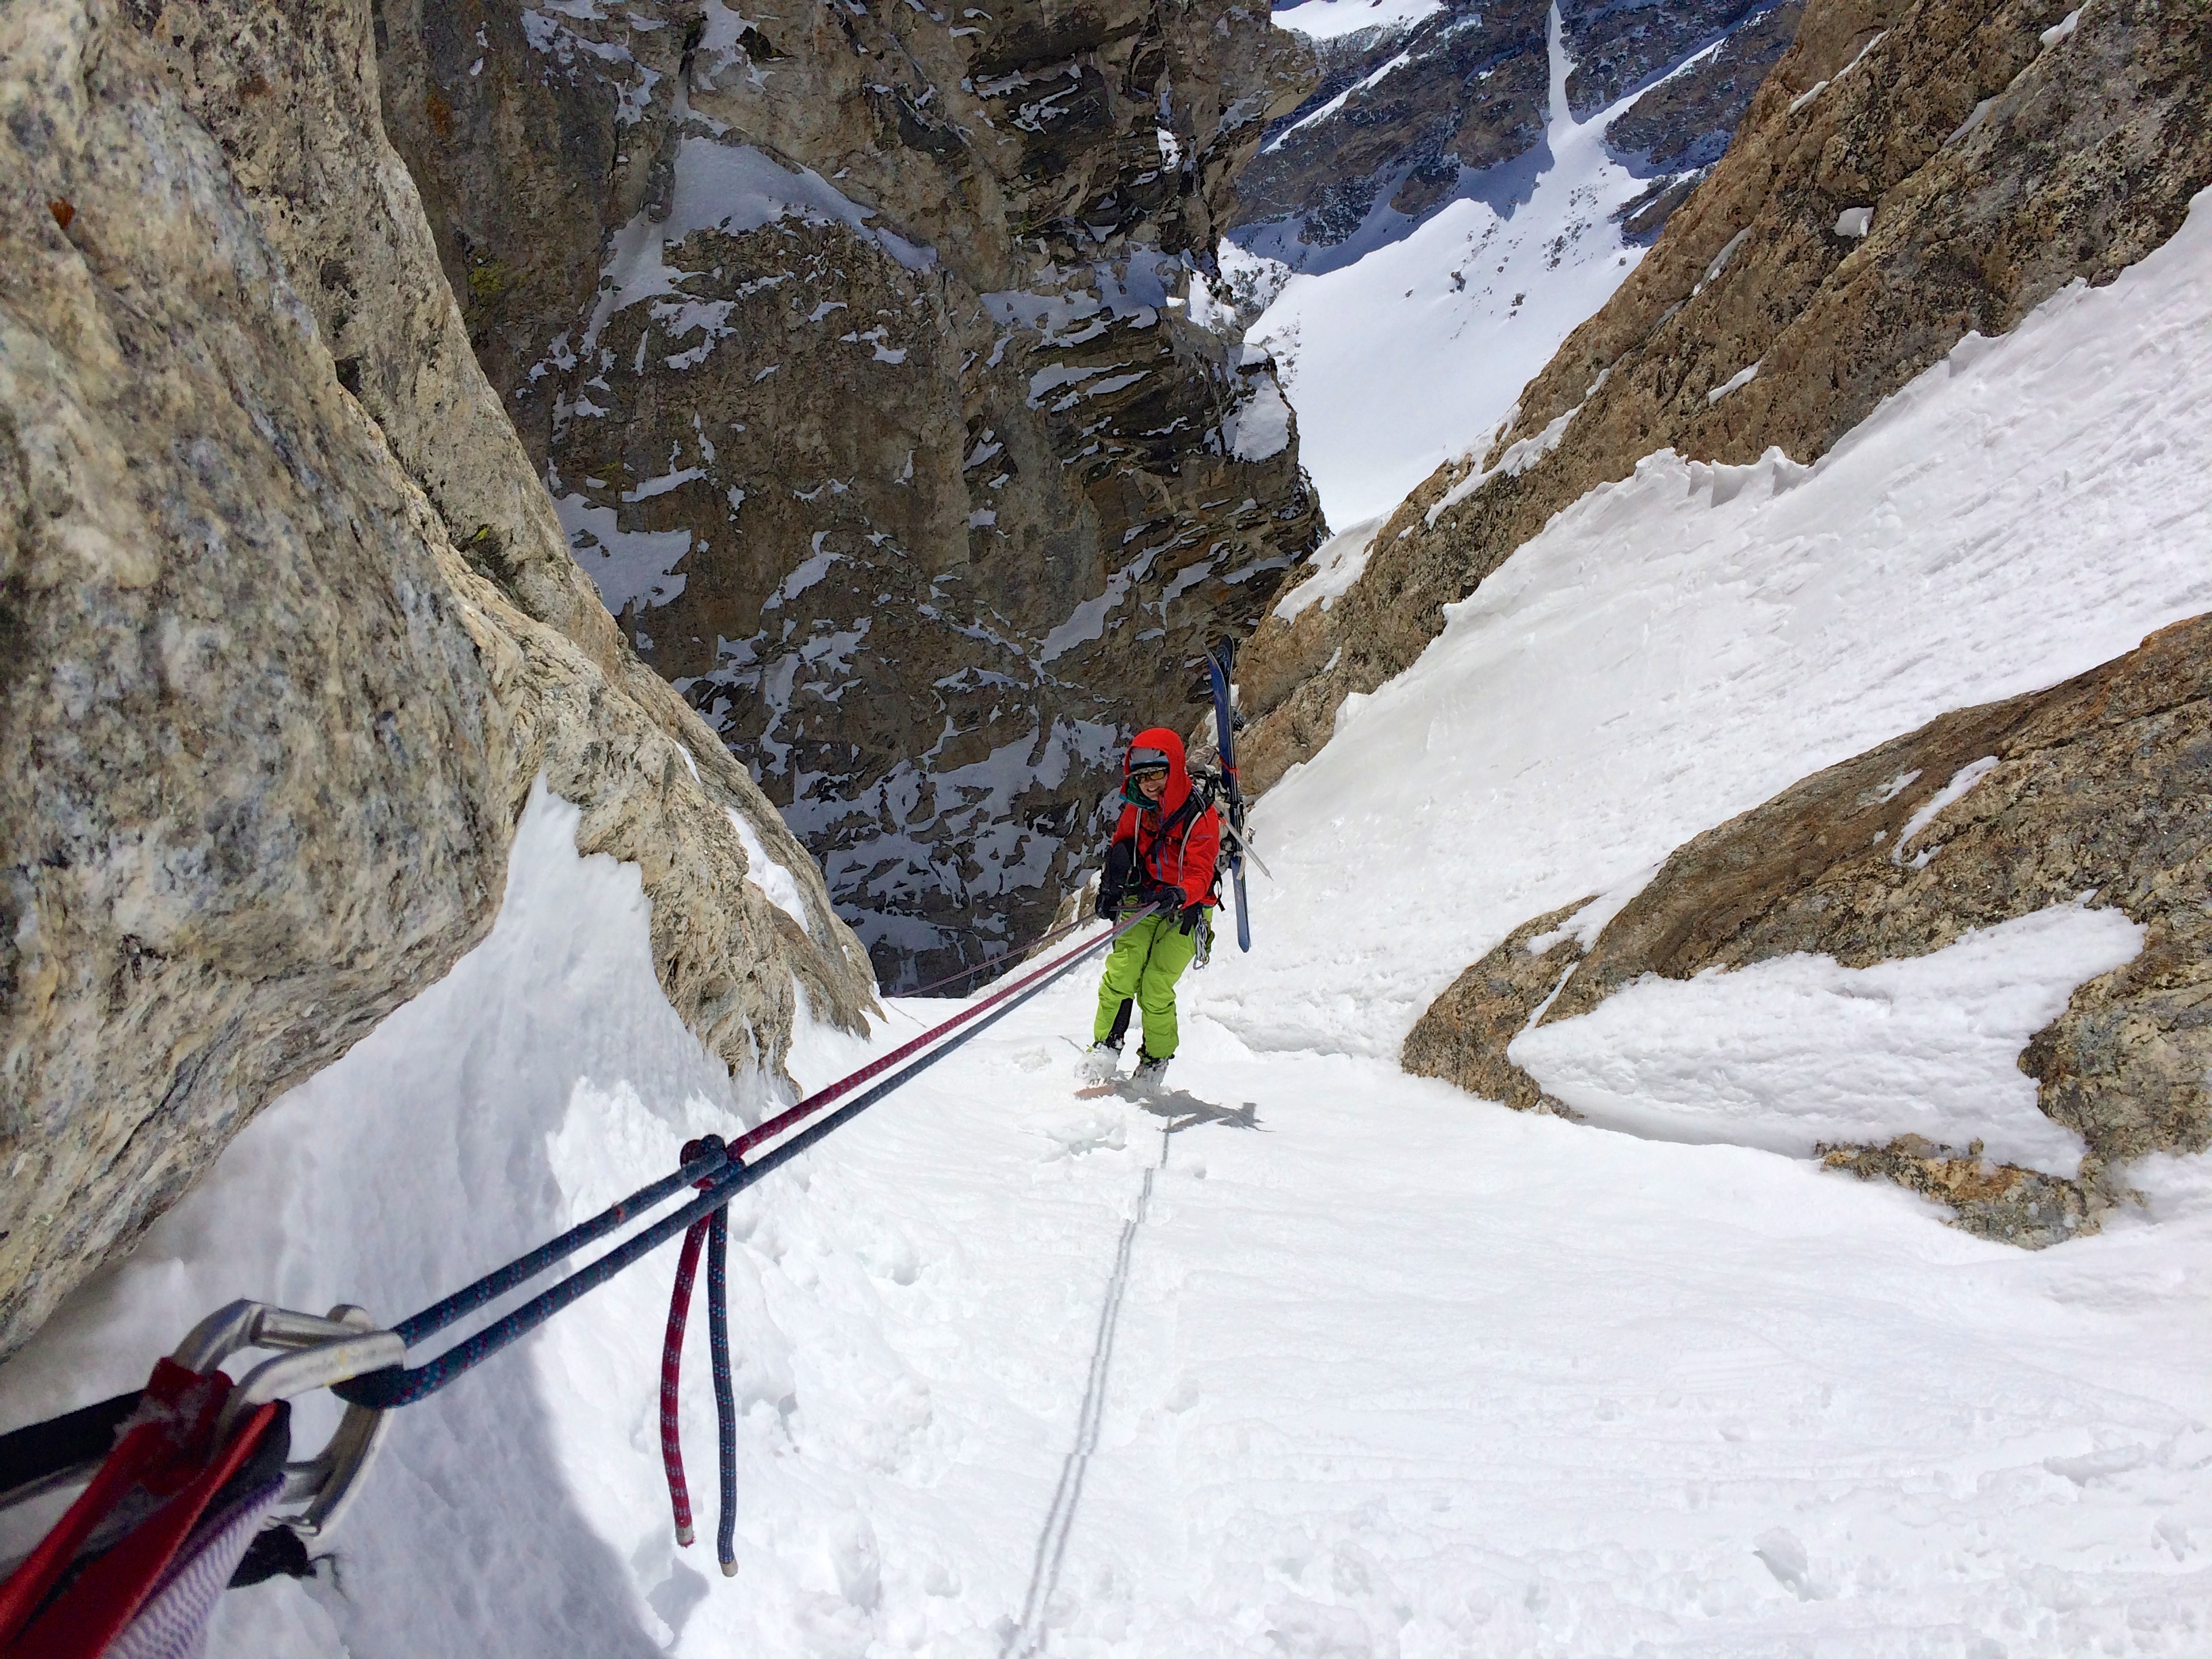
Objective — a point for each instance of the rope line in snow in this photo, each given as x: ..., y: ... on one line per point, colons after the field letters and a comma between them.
x: 1027, y: 1637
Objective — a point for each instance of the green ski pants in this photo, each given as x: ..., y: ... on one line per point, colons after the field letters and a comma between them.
x: 1144, y: 963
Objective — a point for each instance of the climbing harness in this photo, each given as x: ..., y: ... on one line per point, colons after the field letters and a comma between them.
x: 187, y: 1475
x: 197, y: 1464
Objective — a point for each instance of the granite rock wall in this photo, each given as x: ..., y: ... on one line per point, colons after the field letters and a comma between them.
x: 287, y: 632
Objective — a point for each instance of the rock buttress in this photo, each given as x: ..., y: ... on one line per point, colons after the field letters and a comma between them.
x: 855, y: 349
x: 288, y: 633
x: 2096, y: 791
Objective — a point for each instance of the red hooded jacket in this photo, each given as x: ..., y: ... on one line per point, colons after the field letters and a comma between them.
x: 1185, y: 855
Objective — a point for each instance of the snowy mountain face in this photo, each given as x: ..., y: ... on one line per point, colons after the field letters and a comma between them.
x: 1820, y: 266
x: 1469, y: 185
x: 1315, y: 1357
x: 1782, y: 318
x: 855, y: 351
x: 1811, y: 781
x: 1415, y: 110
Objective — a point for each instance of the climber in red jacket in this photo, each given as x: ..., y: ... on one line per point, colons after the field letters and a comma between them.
x: 1163, y: 852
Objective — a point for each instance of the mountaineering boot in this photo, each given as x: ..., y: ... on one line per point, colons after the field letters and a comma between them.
x: 1100, y: 1062
x: 1150, y: 1079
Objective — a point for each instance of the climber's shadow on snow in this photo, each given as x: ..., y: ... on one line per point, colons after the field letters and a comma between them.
x: 1187, y: 1111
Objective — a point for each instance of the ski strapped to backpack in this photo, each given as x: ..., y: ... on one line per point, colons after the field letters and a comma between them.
x: 1235, y: 845
x: 187, y: 1475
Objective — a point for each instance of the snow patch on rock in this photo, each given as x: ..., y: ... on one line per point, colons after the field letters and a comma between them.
x: 1797, y: 1051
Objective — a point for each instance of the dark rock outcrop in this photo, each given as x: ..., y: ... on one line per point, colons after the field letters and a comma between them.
x: 288, y: 631
x: 1684, y: 123
x: 854, y: 347
x: 1994, y: 167
x: 2097, y: 791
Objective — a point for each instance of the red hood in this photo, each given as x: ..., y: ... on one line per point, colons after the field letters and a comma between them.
x: 1159, y: 738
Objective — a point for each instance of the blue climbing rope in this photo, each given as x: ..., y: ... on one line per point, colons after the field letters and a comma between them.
x: 726, y: 1408
x: 718, y: 1178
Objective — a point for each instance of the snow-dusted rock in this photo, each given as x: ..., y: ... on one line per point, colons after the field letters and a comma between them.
x: 847, y: 340
x: 1432, y: 102
x: 2055, y: 814
x: 1464, y: 1035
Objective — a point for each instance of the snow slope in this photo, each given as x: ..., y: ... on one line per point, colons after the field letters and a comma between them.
x: 1322, y: 1361
x: 1401, y: 348
x: 1330, y: 19
x: 1326, y: 1360
x: 1789, y: 1053
x: 1677, y: 647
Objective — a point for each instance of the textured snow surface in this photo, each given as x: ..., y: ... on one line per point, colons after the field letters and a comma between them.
x: 1404, y: 346
x: 1679, y: 647
x: 1325, y: 20
x: 1789, y: 1053
x: 1260, y: 426
x: 1337, y: 563
x: 1348, y: 1364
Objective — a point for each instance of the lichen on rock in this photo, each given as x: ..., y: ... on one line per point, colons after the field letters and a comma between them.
x: 1463, y: 1034
x: 2001, y: 1201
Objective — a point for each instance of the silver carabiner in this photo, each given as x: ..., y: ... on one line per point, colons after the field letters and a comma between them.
x: 313, y: 1352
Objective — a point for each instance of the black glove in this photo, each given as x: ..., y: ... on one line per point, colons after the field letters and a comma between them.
x: 1194, y: 916
x: 1113, y: 880
x: 1168, y: 898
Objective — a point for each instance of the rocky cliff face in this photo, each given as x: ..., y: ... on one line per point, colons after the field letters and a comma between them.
x: 1405, y: 119
x: 1906, y: 174
x: 2098, y: 791
x: 855, y: 346
x: 290, y: 628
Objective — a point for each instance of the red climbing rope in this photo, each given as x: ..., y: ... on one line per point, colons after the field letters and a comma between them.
x: 814, y: 1103
x: 671, y: 1377
x: 713, y: 1232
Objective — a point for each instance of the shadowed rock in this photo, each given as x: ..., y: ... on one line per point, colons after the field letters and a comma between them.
x: 854, y: 347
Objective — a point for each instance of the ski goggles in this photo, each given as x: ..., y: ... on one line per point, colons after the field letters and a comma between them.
x: 1147, y: 760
